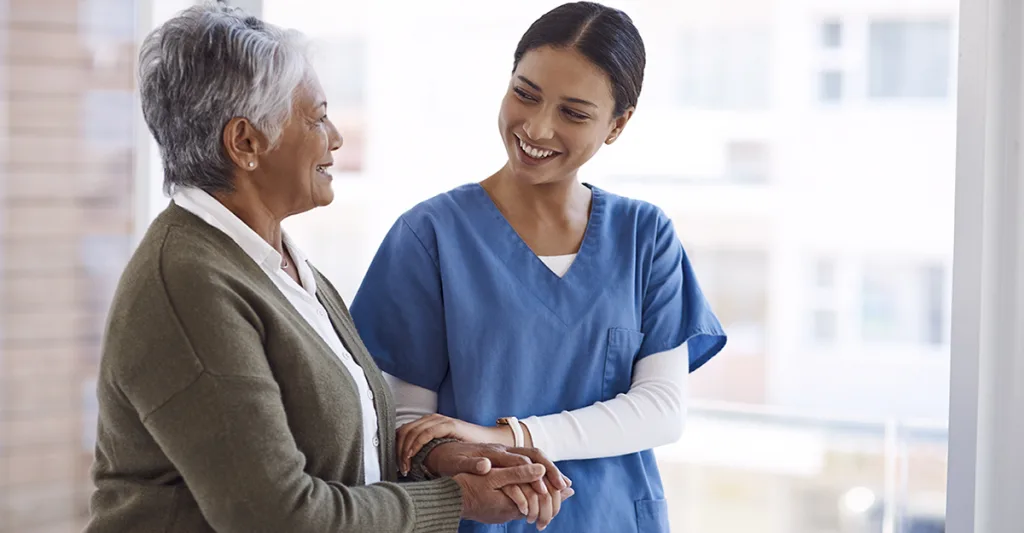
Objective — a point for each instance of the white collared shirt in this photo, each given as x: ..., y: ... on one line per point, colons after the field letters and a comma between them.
x: 303, y: 299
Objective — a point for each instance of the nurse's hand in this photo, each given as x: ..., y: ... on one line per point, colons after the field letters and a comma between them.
x: 415, y: 435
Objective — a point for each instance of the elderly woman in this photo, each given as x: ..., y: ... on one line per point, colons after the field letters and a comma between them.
x: 235, y: 394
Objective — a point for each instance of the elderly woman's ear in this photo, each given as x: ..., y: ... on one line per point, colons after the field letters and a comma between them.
x: 243, y: 143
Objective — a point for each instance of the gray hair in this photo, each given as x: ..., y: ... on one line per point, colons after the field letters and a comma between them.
x: 204, y: 67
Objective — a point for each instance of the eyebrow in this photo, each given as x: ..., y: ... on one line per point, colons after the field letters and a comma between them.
x: 321, y: 104
x: 537, y: 88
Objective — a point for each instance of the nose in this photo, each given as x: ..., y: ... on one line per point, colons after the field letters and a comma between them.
x: 539, y: 127
x: 334, y: 138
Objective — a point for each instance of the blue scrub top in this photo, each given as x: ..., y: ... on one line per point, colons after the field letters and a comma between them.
x: 456, y: 302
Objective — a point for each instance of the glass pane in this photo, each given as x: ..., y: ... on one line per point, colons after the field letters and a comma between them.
x: 66, y: 223
x: 910, y: 58
x: 831, y: 86
x: 831, y: 34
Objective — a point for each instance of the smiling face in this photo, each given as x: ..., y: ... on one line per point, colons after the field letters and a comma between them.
x: 297, y: 167
x: 557, y: 113
x: 292, y: 177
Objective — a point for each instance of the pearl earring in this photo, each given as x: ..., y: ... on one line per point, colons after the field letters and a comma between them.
x: 252, y: 164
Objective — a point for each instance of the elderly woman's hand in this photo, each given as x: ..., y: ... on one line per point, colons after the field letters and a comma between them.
x: 482, y: 498
x: 539, y: 502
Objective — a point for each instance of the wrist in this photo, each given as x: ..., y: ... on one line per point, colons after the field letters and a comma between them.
x: 516, y: 427
x: 429, y: 459
x: 503, y: 435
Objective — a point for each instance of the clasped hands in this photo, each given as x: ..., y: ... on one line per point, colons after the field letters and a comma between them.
x: 499, y: 483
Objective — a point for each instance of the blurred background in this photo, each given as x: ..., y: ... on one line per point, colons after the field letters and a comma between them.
x: 804, y: 149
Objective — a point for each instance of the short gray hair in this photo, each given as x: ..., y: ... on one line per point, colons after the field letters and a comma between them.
x: 204, y: 67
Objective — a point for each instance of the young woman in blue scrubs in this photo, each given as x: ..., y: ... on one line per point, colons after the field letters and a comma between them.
x: 534, y: 296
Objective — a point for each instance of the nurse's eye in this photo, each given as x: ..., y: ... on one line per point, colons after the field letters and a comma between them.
x: 523, y: 95
x: 575, y: 115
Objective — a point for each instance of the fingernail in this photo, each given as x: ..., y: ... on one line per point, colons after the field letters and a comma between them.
x: 524, y: 511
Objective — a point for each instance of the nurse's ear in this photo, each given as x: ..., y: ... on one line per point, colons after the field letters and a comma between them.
x: 618, y: 125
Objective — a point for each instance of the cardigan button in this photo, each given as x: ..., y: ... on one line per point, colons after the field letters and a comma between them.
x: 376, y: 442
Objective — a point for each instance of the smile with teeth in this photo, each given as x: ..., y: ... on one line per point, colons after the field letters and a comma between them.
x: 322, y: 169
x: 534, y: 152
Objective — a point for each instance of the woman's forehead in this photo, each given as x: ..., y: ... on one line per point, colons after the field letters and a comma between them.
x: 561, y: 72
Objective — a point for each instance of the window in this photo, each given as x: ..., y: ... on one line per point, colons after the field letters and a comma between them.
x: 825, y: 273
x: 904, y: 303
x: 909, y: 59
x: 750, y: 459
x: 831, y: 34
x: 747, y: 162
x: 725, y: 68
x: 830, y: 86
x: 824, y: 315
x: 825, y: 326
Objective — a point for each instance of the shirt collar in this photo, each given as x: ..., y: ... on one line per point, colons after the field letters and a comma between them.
x: 203, y: 205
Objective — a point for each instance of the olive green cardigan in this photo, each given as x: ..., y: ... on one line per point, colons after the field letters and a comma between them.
x: 221, y: 409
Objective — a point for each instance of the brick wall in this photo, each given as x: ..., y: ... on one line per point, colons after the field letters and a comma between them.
x: 66, y: 77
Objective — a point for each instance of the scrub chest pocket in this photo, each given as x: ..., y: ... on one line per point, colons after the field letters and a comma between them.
x: 620, y: 354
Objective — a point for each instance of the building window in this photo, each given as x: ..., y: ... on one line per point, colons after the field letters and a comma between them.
x: 725, y: 68
x: 824, y: 302
x: 903, y: 303
x: 825, y: 274
x: 830, y: 86
x: 909, y: 59
x: 832, y: 34
x: 747, y: 162
x: 824, y: 326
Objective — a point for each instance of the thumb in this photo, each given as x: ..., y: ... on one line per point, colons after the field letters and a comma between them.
x: 517, y: 475
x: 465, y: 464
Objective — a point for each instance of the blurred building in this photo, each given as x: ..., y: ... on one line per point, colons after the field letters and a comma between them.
x: 66, y: 221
